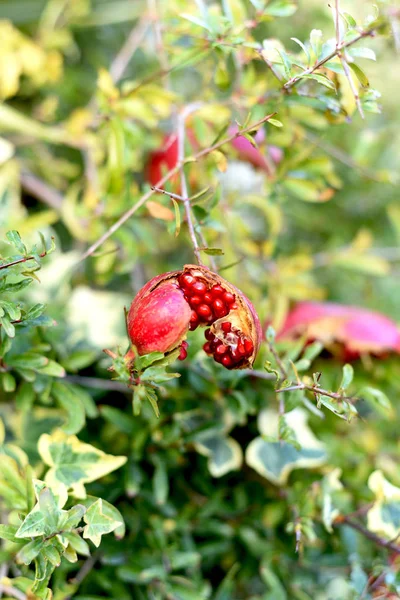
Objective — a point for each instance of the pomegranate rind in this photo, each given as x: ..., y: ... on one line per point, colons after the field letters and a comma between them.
x: 158, y: 318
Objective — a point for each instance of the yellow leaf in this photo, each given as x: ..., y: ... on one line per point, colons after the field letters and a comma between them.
x: 159, y: 211
x: 220, y: 160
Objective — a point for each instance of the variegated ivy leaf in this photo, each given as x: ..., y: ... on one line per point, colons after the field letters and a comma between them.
x: 330, y: 484
x: 98, y: 522
x: 224, y: 454
x: 47, y: 517
x: 384, y: 516
x: 73, y: 463
x: 275, y: 460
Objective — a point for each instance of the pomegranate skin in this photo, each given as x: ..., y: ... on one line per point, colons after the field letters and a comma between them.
x: 357, y: 330
x: 158, y: 321
x: 174, y: 303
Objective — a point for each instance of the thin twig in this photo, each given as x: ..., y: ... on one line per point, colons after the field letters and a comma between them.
x: 42, y: 191
x: 12, y: 591
x: 166, y: 193
x: 132, y: 43
x: 316, y: 390
x: 294, y: 80
x: 97, y: 383
x: 278, y: 361
x: 161, y: 183
x: 184, y: 188
x: 348, y: 520
x: 259, y: 374
x: 3, y: 573
x: 22, y: 260
x: 84, y: 570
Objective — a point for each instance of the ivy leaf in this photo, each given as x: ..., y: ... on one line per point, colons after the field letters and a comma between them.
x: 384, y: 516
x: 98, y: 523
x: 73, y: 463
x: 224, y: 453
x: 275, y: 460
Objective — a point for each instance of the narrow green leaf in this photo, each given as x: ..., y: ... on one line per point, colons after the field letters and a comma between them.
x: 15, y: 239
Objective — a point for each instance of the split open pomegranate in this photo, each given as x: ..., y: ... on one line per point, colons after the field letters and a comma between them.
x: 173, y: 303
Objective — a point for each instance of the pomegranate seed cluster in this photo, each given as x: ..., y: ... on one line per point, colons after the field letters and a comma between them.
x: 172, y: 304
x: 210, y: 303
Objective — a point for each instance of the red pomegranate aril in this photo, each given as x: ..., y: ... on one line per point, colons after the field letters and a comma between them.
x: 218, y: 304
x: 182, y: 354
x: 207, y: 298
x: 204, y: 312
x: 229, y: 298
x: 218, y: 357
x: 226, y: 326
x: 227, y: 361
x: 199, y: 287
x: 214, y: 344
x: 208, y: 334
x: 207, y: 348
x: 248, y: 345
x: 241, y: 349
x: 186, y: 280
x: 217, y: 290
x: 194, y: 321
x: 195, y: 301
x: 220, y: 311
x: 221, y: 349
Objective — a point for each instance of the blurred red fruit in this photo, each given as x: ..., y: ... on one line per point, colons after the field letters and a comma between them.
x: 357, y: 330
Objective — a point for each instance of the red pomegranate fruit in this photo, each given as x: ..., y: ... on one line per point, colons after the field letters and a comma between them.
x: 173, y: 303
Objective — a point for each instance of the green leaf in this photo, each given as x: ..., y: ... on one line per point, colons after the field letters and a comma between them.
x: 280, y: 8
x: 77, y: 543
x: 287, y: 64
x: 158, y: 375
x: 15, y: 239
x: 13, y: 311
x: 53, y: 369
x: 7, y: 326
x: 97, y: 523
x: 25, y: 396
x: 384, y: 516
x: 316, y: 42
x: 360, y: 52
x: 30, y: 551
x: 304, y: 48
x: 7, y: 532
x: 8, y: 382
x: 177, y: 217
x: 322, y: 79
x: 275, y: 122
x: 347, y: 377
x: 142, y: 362
x: 302, y: 189
x: 160, y: 482
x: 212, y: 251
x: 361, y: 76
x: 71, y: 403
x: 378, y: 400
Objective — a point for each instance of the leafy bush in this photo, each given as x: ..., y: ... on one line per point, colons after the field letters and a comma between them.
x: 274, y: 164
